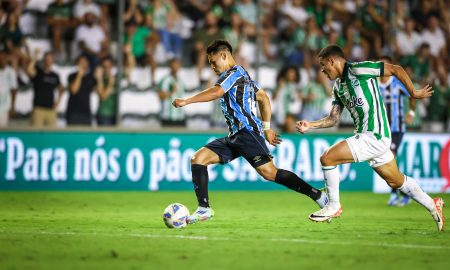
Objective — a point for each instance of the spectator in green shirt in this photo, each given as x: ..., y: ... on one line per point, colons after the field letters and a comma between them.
x: 170, y: 88
x: 61, y: 23
x: 142, y: 40
x: 419, y: 63
x: 437, y: 110
x: 372, y: 23
x: 107, y: 92
x: 314, y: 96
x: 287, y: 102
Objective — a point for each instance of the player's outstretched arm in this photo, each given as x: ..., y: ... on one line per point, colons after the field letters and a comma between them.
x: 209, y: 94
x: 266, y: 113
x: 331, y: 120
x: 401, y: 74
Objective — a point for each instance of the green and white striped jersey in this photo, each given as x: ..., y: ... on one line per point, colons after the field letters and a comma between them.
x: 358, y: 91
x: 168, y: 84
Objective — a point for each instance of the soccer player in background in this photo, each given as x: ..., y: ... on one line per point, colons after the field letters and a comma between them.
x: 394, y: 94
x: 356, y: 89
x: 238, y: 95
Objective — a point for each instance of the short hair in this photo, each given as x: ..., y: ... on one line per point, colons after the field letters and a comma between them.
x: 386, y: 57
x: 48, y: 53
x: 331, y: 50
x: 107, y: 58
x: 424, y: 45
x: 78, y: 59
x: 219, y: 45
x: 173, y: 60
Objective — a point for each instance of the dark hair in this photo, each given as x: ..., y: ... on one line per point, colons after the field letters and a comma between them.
x: 284, y: 70
x: 387, y: 57
x: 424, y: 45
x: 331, y: 50
x: 173, y: 60
x: 48, y: 53
x: 107, y: 58
x: 218, y: 45
x: 77, y: 60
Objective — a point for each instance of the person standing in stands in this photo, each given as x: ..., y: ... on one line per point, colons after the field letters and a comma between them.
x: 8, y: 89
x: 170, y: 88
x: 81, y: 84
x: 45, y: 82
x: 106, y: 90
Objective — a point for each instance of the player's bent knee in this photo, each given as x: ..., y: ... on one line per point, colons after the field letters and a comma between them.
x: 197, y: 159
x: 394, y: 184
x: 268, y: 175
x: 325, y: 160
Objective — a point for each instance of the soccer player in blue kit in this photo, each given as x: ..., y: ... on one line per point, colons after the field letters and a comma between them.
x: 238, y: 95
x: 394, y: 95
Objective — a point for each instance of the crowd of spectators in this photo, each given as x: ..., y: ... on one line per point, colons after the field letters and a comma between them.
x: 284, y: 35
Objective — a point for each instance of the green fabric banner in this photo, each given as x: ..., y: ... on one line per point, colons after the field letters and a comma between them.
x: 71, y: 160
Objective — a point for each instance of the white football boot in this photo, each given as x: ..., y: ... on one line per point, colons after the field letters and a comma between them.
x: 326, y: 213
x: 438, y: 214
x: 201, y: 214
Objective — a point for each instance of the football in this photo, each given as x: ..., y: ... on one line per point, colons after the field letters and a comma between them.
x: 175, y: 216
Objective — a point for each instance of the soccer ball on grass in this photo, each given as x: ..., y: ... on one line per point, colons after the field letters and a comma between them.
x: 175, y: 216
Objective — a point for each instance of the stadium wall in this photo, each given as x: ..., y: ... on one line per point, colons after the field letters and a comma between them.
x: 96, y: 160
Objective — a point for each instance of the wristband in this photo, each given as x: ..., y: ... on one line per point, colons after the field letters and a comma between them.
x: 266, y: 125
x: 412, y: 113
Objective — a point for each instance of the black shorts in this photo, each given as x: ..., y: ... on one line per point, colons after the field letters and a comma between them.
x: 243, y: 143
x: 397, y: 138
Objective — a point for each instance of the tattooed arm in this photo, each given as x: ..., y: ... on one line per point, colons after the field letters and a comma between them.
x: 331, y: 120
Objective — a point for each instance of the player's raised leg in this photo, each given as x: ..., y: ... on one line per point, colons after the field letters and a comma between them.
x: 339, y: 153
x: 199, y: 166
x: 290, y: 180
x: 395, y: 179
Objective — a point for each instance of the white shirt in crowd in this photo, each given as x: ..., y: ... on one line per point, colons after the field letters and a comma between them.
x: 436, y: 39
x: 82, y: 8
x: 408, y: 44
x: 91, y: 36
x: 8, y: 83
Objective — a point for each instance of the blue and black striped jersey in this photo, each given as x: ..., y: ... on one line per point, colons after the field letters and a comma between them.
x: 394, y: 93
x: 238, y: 104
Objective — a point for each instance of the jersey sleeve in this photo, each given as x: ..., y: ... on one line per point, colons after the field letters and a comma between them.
x: 256, y: 87
x: 227, y: 80
x: 368, y: 68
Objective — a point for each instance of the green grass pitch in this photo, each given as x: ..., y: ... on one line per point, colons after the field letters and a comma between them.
x: 251, y: 230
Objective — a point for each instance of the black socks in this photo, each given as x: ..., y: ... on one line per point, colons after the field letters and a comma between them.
x: 200, y: 181
x: 283, y: 177
x: 292, y: 181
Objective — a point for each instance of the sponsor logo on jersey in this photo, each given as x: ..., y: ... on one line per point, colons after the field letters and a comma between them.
x: 354, y: 102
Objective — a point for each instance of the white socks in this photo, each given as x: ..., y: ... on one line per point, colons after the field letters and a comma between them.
x: 412, y: 189
x: 331, y: 175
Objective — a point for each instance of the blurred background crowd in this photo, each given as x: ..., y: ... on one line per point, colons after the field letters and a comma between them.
x: 120, y: 63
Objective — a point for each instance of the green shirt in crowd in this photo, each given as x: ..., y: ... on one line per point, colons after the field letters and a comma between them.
x: 60, y: 11
x: 138, y: 40
x: 168, y: 84
x: 108, y: 107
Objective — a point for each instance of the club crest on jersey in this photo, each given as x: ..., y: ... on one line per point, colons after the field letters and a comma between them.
x: 354, y: 101
x: 355, y: 83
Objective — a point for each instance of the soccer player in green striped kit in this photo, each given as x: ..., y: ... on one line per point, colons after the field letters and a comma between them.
x: 356, y: 89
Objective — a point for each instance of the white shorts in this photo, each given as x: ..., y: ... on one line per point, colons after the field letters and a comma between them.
x: 366, y: 147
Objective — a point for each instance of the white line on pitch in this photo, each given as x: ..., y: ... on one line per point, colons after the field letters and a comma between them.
x: 193, y: 237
